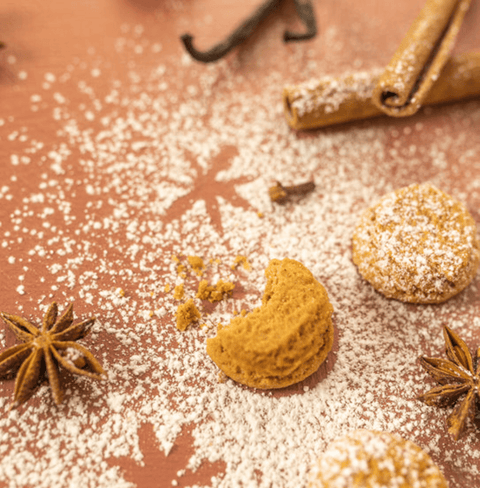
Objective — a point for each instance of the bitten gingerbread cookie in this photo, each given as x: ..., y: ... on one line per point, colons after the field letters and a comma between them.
x: 417, y: 245
x: 283, y: 341
x: 366, y: 459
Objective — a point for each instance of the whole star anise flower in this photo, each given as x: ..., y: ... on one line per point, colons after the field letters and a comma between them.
x: 457, y: 376
x: 43, y: 350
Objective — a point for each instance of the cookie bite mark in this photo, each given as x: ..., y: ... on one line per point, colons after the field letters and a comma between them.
x: 283, y: 341
x: 417, y: 245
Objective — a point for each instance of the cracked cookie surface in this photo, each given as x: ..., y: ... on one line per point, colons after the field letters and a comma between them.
x: 417, y: 245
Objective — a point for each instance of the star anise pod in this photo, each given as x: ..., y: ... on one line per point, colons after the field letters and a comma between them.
x: 457, y: 376
x: 44, y: 350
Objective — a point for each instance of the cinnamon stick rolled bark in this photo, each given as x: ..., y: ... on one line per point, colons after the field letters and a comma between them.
x: 328, y: 101
x: 419, y: 59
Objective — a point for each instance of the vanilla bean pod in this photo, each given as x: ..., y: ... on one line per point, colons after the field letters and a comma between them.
x: 245, y: 30
x: 307, y: 16
x: 240, y: 34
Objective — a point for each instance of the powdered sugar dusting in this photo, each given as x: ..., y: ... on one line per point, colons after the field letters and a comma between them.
x: 329, y: 93
x: 107, y: 205
x: 417, y: 244
x: 375, y: 459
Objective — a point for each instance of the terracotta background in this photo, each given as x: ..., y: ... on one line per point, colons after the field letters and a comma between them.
x: 44, y: 36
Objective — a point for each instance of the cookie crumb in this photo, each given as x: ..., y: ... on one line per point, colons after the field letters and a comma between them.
x: 187, y: 314
x: 214, y: 293
x: 178, y: 292
x: 243, y: 261
x: 197, y: 264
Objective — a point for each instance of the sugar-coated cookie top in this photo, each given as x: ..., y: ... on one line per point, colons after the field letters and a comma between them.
x: 417, y: 244
x: 368, y: 459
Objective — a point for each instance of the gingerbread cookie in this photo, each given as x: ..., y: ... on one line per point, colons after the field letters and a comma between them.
x: 283, y: 341
x: 366, y: 459
x: 417, y: 245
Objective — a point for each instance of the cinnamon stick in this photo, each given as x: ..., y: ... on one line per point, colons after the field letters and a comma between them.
x: 333, y: 100
x: 419, y: 59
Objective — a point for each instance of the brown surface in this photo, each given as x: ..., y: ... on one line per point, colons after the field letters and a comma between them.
x: 62, y: 37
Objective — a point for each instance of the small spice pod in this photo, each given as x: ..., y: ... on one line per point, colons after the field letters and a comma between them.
x: 457, y: 376
x: 282, y: 194
x: 44, y: 350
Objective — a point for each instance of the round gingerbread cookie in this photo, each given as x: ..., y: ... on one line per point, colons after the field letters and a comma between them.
x: 417, y: 245
x: 368, y: 459
x: 283, y: 341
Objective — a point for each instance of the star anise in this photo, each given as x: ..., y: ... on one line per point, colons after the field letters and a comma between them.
x: 43, y: 350
x: 457, y: 376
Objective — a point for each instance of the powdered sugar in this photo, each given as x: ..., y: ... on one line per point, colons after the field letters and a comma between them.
x: 329, y: 93
x: 417, y: 244
x: 107, y: 206
x: 375, y: 459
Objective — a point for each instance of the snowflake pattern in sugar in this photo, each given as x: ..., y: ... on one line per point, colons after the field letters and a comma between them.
x: 120, y: 191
